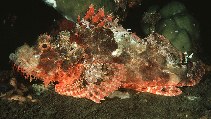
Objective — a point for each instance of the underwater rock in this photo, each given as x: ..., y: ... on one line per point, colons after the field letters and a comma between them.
x: 175, y: 23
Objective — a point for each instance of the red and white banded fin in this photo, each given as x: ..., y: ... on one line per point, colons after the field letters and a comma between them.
x: 161, y: 90
x: 92, y: 18
x: 92, y: 91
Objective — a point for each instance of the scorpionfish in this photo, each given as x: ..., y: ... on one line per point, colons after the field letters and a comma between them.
x: 98, y: 56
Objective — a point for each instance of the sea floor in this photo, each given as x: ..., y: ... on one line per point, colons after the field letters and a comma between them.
x: 194, y: 103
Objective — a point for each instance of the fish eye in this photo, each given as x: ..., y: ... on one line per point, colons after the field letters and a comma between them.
x: 44, y: 45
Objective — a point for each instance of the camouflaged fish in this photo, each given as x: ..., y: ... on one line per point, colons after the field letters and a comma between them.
x: 99, y: 56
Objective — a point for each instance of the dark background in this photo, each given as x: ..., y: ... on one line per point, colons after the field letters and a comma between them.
x: 21, y: 21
